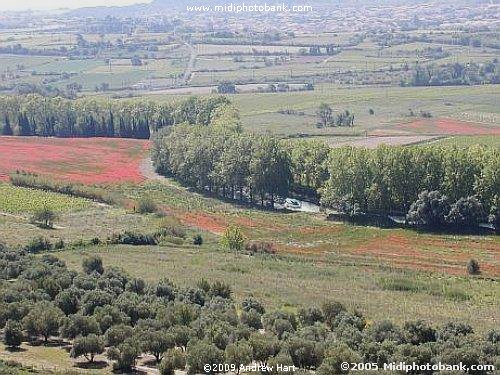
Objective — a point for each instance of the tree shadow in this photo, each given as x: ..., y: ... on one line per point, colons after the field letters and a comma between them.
x: 96, y: 365
x: 15, y: 349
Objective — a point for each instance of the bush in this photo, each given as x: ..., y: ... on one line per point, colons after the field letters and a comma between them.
x: 125, y: 354
x: 473, y: 267
x: 37, y: 245
x: 260, y: 247
x: 466, y: 212
x: 174, y: 359
x: 59, y: 244
x: 201, y: 353
x: 146, y: 206
x: 334, y: 356
x: 233, y: 239
x: 132, y: 238
x: 44, y: 218
x: 429, y: 209
x: 198, y: 240
x: 13, y: 334
x: 93, y: 264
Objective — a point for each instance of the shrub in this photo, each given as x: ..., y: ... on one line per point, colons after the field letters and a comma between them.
x: 310, y: 315
x: 93, y: 264
x: 37, y: 245
x: 13, y: 334
x: 466, y: 212
x: 174, y: 359
x: 429, y: 209
x: 146, y: 206
x: 334, y: 356
x: 124, y: 354
x: 251, y: 303
x: 238, y: 354
x: 44, y: 218
x: 201, y: 353
x: 198, y: 240
x: 132, y: 238
x: 473, y: 267
x: 59, y: 244
x: 252, y: 319
x: 260, y: 247
x: 220, y: 289
x: 233, y: 239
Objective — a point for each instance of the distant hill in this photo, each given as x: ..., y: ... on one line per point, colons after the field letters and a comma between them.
x: 161, y: 5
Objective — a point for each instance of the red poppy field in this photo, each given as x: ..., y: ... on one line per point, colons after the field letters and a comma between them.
x: 83, y: 160
x: 447, y: 126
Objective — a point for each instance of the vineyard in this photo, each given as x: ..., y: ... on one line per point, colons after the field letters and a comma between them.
x: 14, y: 200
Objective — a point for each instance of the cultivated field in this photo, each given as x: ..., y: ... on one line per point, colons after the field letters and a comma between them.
x: 91, y: 161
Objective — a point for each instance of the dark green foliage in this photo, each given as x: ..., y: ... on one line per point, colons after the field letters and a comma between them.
x: 68, y: 300
x: 174, y: 359
x: 331, y: 310
x: 305, y: 353
x: 384, y: 330
x: 194, y: 326
x: 88, y: 346
x: 251, y: 318
x: 125, y: 354
x: 43, y: 116
x: 44, y: 218
x: 454, y: 329
x: 13, y: 334
x: 201, y: 353
x: 453, y: 74
x: 44, y: 320
x: 198, y: 240
x: 418, y: 332
x: 220, y: 289
x: 310, y: 315
x: 430, y: 209
x: 132, y: 238
x: 239, y: 354
x: 335, y: 355
x: 93, y: 264
x: 251, y: 303
x: 390, y: 179
x: 473, y: 267
x: 466, y: 212
x: 146, y: 206
x: 264, y: 346
x: 222, y: 159
x: 37, y: 245
x: 156, y: 343
x: 79, y: 325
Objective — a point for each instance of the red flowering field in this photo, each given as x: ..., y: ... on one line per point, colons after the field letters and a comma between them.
x: 84, y: 160
x: 447, y: 126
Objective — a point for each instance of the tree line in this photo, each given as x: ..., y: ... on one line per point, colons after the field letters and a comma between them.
x: 224, y: 161
x: 454, y: 74
x: 391, y: 178
x: 42, y: 116
x: 348, y: 179
x: 103, y: 311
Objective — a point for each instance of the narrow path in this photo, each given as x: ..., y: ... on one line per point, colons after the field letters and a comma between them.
x: 188, y: 73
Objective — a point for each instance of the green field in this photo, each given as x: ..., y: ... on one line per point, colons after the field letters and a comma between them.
x: 16, y: 200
